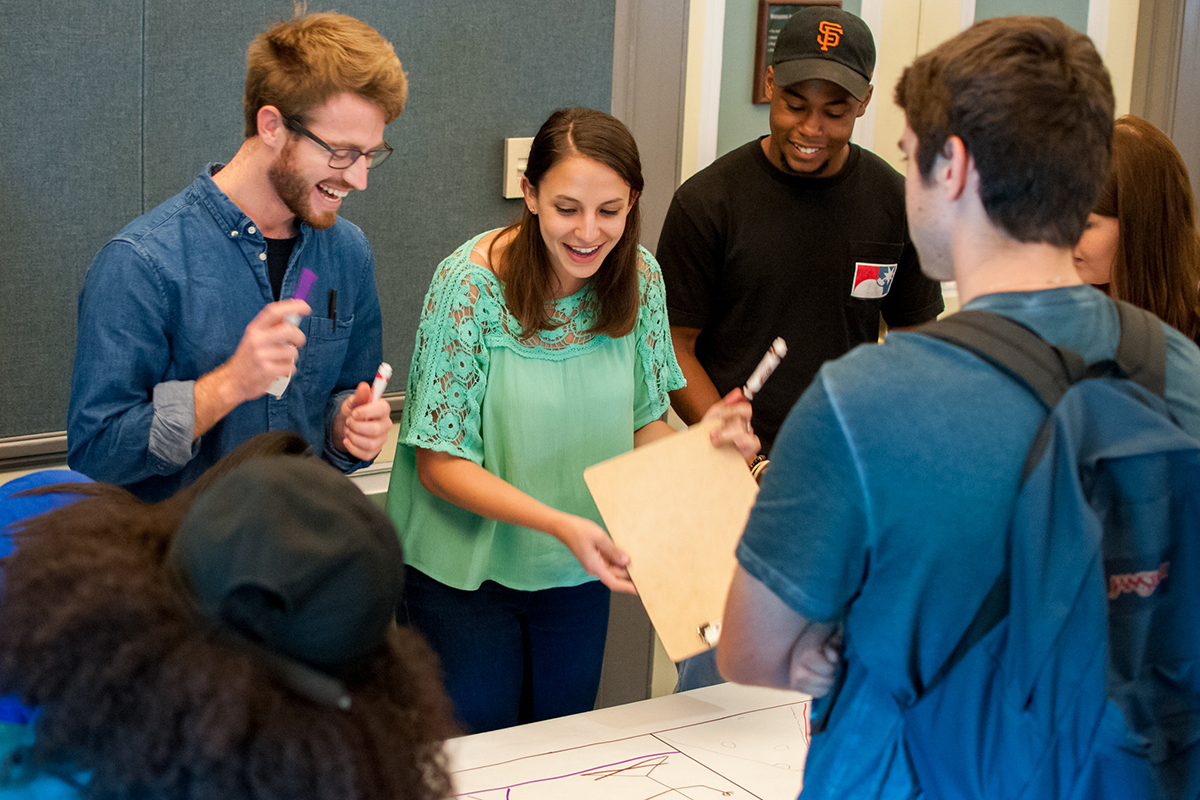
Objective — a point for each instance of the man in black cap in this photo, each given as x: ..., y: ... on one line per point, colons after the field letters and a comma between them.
x: 799, y: 234
x: 235, y: 640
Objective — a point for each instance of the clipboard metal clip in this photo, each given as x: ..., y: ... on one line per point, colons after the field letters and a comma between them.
x: 710, y: 632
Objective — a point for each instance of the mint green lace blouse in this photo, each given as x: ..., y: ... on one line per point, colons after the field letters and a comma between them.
x: 536, y: 413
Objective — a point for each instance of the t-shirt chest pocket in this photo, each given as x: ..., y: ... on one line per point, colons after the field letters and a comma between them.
x: 871, y: 269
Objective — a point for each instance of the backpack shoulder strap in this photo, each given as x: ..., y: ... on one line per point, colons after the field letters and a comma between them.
x: 1043, y: 369
x: 1046, y: 371
x: 1142, y: 353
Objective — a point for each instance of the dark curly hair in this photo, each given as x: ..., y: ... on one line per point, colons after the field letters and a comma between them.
x: 156, y: 702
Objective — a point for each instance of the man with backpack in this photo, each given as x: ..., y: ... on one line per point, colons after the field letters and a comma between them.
x: 951, y: 611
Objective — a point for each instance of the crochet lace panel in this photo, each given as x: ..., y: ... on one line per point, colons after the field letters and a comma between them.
x: 464, y: 316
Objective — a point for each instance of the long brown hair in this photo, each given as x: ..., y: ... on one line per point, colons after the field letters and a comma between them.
x: 525, y: 264
x: 1157, y: 266
x: 137, y: 690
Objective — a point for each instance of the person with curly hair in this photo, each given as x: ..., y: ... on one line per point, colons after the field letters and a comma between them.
x: 234, y: 641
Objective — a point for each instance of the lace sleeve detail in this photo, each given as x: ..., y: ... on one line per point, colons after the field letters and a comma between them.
x: 657, y: 355
x: 448, y: 376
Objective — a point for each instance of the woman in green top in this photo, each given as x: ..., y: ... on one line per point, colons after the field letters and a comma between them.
x: 543, y: 349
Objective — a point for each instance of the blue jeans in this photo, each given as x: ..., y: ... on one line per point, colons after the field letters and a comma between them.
x: 698, y: 671
x: 511, y: 657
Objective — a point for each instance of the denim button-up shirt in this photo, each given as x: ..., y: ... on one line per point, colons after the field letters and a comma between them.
x: 167, y: 300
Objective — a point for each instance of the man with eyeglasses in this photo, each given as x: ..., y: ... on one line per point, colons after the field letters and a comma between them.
x: 188, y: 330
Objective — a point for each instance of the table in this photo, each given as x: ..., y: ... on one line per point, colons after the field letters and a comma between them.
x: 731, y: 741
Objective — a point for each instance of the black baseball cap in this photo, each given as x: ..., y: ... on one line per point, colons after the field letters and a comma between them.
x: 289, y: 555
x: 827, y: 43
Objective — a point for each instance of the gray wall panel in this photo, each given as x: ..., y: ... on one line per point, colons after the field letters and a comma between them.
x: 77, y: 167
x: 195, y: 71
x: 70, y: 119
x: 478, y: 71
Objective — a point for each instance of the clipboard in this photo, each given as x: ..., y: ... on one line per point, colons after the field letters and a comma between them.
x: 678, y: 506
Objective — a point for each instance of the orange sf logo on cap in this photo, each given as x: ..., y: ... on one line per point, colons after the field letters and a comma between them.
x: 831, y: 34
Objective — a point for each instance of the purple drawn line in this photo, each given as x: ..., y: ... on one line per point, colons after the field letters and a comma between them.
x: 568, y: 775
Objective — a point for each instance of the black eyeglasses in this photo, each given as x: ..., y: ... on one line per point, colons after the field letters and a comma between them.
x: 342, y: 157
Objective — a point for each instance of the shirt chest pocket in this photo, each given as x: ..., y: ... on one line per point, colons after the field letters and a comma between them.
x: 324, y: 353
x: 870, y: 270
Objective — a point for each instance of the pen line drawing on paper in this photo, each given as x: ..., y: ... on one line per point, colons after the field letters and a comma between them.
x: 604, y: 771
x: 802, y: 726
x: 721, y: 758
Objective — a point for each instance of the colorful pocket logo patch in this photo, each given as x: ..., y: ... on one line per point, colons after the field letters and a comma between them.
x: 872, y: 280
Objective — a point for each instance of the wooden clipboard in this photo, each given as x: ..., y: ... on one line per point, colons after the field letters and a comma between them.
x: 678, y: 506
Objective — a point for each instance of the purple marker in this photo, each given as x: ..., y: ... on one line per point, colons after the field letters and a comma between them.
x: 307, y: 279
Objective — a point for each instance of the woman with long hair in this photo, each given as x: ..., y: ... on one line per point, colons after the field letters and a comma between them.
x: 543, y: 348
x: 1141, y: 243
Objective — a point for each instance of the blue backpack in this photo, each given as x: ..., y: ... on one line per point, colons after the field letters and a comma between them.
x: 1079, y: 676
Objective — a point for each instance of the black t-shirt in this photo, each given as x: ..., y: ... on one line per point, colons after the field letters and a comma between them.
x: 749, y: 253
x: 279, y: 252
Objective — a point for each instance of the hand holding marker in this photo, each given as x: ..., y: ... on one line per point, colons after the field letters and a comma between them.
x: 711, y: 632
x: 770, y: 361
x: 382, y: 376
x: 307, y: 279
x: 754, y: 383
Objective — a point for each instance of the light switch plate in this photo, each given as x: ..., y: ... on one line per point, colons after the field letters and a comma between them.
x: 516, y: 155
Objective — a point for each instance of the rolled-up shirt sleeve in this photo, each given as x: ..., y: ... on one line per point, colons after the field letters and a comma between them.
x: 125, y: 422
x: 173, y: 424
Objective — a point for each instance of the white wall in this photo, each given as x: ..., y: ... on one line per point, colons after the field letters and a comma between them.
x: 720, y: 64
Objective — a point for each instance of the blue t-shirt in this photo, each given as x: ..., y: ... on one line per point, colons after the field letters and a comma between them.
x: 887, y: 505
x: 16, y: 719
x: 20, y: 784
